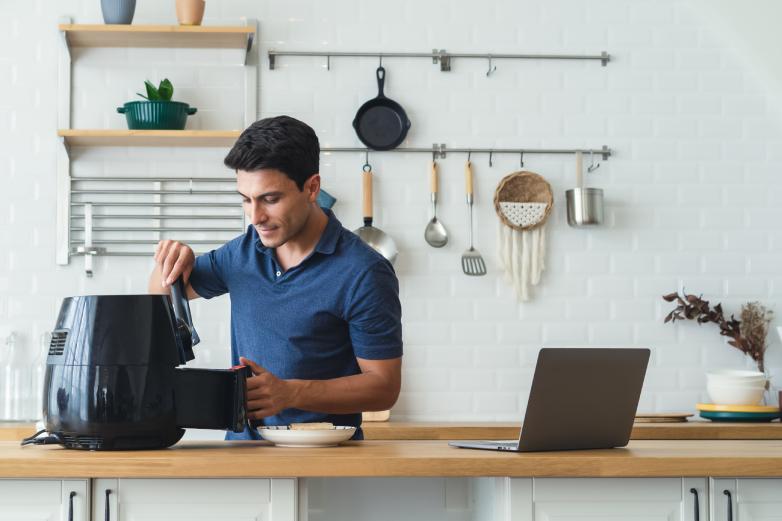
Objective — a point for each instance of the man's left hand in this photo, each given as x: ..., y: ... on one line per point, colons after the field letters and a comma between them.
x: 267, y: 395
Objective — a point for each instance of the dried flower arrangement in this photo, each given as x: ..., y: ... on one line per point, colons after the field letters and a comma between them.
x: 748, y: 334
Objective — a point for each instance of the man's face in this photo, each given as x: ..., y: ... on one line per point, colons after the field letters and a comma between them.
x: 274, y: 204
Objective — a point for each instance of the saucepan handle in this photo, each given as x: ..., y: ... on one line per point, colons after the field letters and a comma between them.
x: 184, y: 327
x: 367, y: 195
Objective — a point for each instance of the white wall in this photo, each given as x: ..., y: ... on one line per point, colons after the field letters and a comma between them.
x: 692, y: 192
x: 754, y: 31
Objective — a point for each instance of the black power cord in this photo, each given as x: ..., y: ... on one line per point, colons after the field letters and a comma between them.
x: 51, y: 439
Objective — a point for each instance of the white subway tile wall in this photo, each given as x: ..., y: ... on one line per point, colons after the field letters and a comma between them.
x: 691, y: 194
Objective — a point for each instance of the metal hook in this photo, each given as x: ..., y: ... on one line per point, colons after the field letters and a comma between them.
x: 469, y: 153
x: 592, y: 167
x: 380, y: 59
x: 366, y: 161
x: 521, y: 159
x: 491, y: 153
x: 491, y: 69
x: 328, y: 62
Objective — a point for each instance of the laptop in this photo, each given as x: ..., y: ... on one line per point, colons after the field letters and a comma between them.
x: 581, y: 398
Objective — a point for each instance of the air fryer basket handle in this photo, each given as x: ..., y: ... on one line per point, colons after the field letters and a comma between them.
x: 185, y: 330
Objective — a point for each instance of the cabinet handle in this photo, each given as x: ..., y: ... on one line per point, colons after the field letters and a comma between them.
x: 70, y: 505
x: 107, y: 516
x: 730, y: 504
x: 697, y: 515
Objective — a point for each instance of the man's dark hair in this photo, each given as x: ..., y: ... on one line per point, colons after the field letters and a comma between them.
x: 283, y: 143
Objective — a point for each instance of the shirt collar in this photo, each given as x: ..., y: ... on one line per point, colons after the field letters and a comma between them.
x: 327, y: 243
x: 328, y: 239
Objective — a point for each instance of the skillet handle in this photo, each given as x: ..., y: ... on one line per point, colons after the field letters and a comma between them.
x: 381, y: 80
x: 367, y: 185
x: 433, y: 177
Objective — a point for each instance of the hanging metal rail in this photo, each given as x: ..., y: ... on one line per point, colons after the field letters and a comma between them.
x: 439, y: 150
x: 148, y: 212
x: 440, y: 56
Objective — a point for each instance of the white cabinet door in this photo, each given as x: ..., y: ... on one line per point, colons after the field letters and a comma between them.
x: 44, y: 500
x: 194, y: 499
x: 609, y: 499
x: 746, y: 499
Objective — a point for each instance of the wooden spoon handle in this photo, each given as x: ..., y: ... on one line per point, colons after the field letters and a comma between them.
x: 433, y: 177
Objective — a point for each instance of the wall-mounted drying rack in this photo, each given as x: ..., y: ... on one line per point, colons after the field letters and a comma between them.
x: 127, y: 216
x: 437, y: 56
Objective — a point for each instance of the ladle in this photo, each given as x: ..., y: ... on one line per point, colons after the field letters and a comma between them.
x: 435, y: 233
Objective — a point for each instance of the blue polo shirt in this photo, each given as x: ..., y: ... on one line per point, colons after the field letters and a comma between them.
x: 312, y: 321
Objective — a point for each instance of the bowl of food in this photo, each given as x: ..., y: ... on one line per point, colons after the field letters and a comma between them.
x: 321, y: 434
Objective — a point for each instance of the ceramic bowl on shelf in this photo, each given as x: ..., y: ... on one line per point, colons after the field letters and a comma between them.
x: 728, y: 394
x: 736, y: 387
x: 735, y: 376
x: 156, y: 115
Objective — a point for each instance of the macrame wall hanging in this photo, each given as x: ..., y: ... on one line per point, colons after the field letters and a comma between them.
x: 523, y: 202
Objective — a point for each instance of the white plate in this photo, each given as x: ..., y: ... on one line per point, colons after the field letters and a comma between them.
x: 282, y: 436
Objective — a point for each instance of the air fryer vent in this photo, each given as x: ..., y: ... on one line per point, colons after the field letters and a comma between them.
x: 57, y: 345
x: 82, y: 442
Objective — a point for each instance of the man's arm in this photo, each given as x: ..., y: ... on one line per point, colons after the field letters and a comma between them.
x: 172, y: 259
x: 375, y: 389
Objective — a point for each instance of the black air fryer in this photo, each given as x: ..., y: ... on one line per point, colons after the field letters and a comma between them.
x: 112, y: 381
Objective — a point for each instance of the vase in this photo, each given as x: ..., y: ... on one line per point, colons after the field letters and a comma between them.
x: 190, y: 12
x: 118, y: 11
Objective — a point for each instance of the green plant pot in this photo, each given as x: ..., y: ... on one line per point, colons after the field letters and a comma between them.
x: 156, y: 115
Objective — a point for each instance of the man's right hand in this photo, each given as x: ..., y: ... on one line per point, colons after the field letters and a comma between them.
x: 173, y: 259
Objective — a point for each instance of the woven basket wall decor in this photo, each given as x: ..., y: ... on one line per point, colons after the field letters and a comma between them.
x: 523, y: 202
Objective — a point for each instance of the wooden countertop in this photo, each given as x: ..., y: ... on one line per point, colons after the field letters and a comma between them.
x: 691, y: 430
x: 642, y: 458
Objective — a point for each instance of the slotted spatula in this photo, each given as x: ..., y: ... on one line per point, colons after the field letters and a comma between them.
x: 472, y: 262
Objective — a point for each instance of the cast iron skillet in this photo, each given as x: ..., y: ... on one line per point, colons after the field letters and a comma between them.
x: 381, y: 123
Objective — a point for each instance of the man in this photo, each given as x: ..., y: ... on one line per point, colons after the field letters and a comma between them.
x: 315, y: 312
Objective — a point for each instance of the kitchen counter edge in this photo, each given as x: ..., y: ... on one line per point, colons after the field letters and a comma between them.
x: 641, y: 458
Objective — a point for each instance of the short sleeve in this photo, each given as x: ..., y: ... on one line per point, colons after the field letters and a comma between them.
x: 209, y: 277
x: 374, y: 314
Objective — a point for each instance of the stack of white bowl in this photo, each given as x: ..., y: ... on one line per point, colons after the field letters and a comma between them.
x: 734, y: 387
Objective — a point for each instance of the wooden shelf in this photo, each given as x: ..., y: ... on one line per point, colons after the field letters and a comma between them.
x: 196, y: 36
x: 148, y: 138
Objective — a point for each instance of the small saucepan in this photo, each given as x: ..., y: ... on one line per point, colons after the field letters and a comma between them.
x: 374, y: 237
x: 381, y: 123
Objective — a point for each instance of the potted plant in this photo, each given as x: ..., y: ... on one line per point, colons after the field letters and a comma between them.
x: 158, y: 112
x: 747, y: 335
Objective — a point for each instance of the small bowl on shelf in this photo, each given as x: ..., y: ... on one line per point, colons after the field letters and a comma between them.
x: 734, y: 376
x: 736, y: 387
